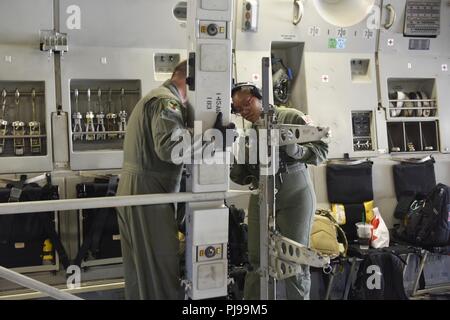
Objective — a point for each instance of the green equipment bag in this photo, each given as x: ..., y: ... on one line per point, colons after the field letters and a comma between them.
x: 327, y: 236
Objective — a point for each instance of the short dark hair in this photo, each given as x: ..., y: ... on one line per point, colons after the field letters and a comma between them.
x: 180, y: 70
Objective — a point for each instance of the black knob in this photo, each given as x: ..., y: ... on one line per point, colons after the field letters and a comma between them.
x: 210, y: 252
x: 212, y: 29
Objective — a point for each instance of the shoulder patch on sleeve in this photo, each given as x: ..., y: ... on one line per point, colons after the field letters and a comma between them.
x: 171, y: 110
x: 171, y: 104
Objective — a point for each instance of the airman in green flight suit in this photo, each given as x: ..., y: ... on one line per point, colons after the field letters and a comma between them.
x: 149, y: 234
x: 295, y: 200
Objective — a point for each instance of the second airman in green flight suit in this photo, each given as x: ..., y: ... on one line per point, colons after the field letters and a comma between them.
x: 295, y: 199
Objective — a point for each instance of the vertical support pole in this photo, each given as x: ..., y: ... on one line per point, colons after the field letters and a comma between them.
x: 268, y: 167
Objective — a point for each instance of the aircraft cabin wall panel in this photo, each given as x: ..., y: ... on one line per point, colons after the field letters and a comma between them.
x: 114, y: 41
x: 21, y: 65
x: 332, y: 95
x: 275, y: 24
x: 403, y: 67
x: 419, y: 68
x: 121, y: 64
x: 324, y: 81
x: 123, y: 23
x: 21, y: 21
x: 406, y: 67
x: 29, y: 65
x: 393, y: 41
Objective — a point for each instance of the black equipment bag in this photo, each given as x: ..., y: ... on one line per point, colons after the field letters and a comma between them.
x: 22, y: 236
x: 350, y: 183
x: 237, y: 237
x: 101, y: 236
x: 414, y: 178
x: 412, y: 181
x: 404, y: 203
x: 237, y: 252
x: 428, y: 220
x: 379, y: 277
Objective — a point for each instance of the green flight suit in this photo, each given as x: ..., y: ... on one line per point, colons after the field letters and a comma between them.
x: 295, y: 208
x: 149, y: 234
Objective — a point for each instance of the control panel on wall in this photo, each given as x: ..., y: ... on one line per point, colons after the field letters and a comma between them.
x: 422, y: 19
x: 362, y: 131
x: 100, y: 111
x: 22, y: 119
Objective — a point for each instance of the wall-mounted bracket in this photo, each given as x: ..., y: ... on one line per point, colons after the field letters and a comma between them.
x: 52, y: 41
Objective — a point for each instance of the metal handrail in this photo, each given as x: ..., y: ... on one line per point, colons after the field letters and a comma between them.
x: 90, y: 203
x: 117, y: 201
x: 88, y: 286
x: 35, y: 285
